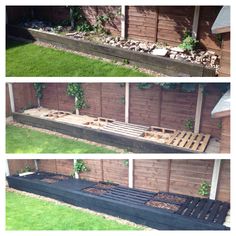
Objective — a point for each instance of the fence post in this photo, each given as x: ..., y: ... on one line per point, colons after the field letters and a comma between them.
x: 11, y: 95
x: 126, y: 102
x: 215, y: 178
x: 198, y: 109
x: 123, y: 20
x: 76, y: 174
x: 7, y: 171
x: 36, y: 165
x: 195, y: 21
x: 131, y: 173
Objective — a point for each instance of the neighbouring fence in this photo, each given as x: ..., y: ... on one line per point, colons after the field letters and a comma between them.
x: 178, y: 176
x: 152, y: 106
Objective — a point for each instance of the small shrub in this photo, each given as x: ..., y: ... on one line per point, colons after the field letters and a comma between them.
x: 188, y: 42
x: 189, y: 124
x: 126, y: 163
x: 204, y: 189
x: 80, y: 166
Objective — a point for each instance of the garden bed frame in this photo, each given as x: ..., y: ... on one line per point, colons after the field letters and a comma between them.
x: 127, y: 203
x: 131, y: 143
x: 159, y: 64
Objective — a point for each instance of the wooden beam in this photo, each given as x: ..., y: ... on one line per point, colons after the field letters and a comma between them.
x: 198, y: 109
x: 215, y: 178
x: 11, y: 96
x: 131, y: 173
x: 123, y: 21
x: 7, y: 171
x: 126, y: 102
x: 195, y: 21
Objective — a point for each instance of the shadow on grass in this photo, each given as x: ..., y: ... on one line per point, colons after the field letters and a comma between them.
x: 11, y: 43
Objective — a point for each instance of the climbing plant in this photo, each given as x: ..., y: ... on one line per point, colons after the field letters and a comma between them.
x: 75, y: 90
x: 38, y: 87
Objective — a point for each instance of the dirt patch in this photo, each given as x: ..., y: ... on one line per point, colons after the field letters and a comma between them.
x: 170, y: 198
x: 162, y: 205
x: 105, y: 185
x: 60, y: 177
x: 95, y: 191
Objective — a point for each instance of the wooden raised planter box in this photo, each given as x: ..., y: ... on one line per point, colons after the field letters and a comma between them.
x: 125, y: 203
x: 159, y: 64
x: 132, y: 144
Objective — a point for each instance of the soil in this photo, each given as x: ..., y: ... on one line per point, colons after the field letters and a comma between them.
x: 169, y: 198
x: 60, y: 177
x: 49, y: 181
x: 95, y: 191
x: 104, y: 185
x: 162, y: 205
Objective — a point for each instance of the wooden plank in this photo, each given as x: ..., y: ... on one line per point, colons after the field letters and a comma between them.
x: 206, y: 209
x: 173, y: 137
x: 213, y: 212
x: 223, y: 213
x: 204, y: 143
x: 197, y: 142
x: 191, y: 206
x: 191, y: 140
x: 199, y: 207
x: 178, y: 138
x: 185, y: 139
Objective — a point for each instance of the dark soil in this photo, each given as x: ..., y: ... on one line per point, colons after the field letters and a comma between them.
x: 104, y: 185
x: 170, y: 198
x: 95, y: 191
x: 162, y: 205
x: 60, y: 177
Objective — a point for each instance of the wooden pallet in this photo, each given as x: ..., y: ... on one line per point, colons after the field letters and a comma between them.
x: 189, y: 140
x: 125, y: 128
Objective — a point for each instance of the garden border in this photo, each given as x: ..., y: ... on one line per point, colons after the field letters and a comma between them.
x: 167, y: 66
x: 133, y: 144
x: 141, y: 214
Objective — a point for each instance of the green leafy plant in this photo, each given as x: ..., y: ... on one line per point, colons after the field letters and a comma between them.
x: 188, y: 42
x: 126, y: 163
x: 80, y: 166
x: 26, y: 169
x: 204, y: 189
x: 189, y: 124
x: 125, y: 61
x: 219, y: 124
x: 38, y: 87
x: 75, y: 90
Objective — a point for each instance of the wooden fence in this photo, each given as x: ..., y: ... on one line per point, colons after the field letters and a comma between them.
x: 153, y: 106
x: 178, y: 176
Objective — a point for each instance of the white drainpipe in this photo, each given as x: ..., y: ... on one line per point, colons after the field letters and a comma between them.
x: 7, y: 171
x: 126, y: 102
x: 76, y: 174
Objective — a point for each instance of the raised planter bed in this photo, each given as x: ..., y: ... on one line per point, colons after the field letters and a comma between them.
x: 126, y: 140
x: 163, y: 65
x: 162, y: 210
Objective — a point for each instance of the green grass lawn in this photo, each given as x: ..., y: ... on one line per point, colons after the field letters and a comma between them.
x: 28, y: 213
x: 26, y: 59
x: 23, y: 140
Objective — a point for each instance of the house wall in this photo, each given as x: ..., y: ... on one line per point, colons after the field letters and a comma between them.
x: 177, y: 176
x: 225, y: 135
x: 153, y: 106
x: 225, y: 55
